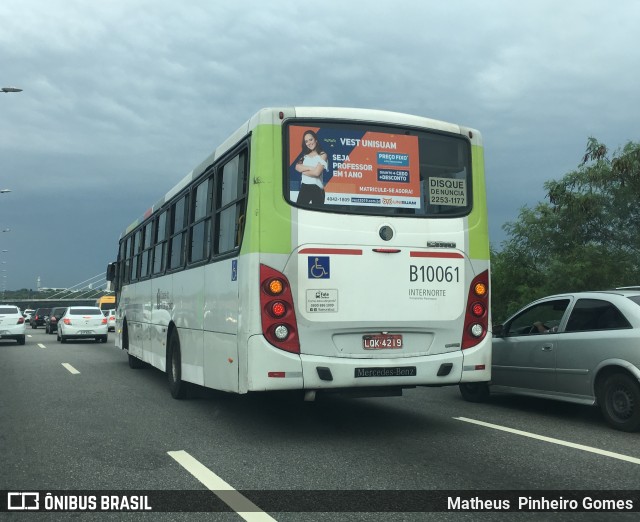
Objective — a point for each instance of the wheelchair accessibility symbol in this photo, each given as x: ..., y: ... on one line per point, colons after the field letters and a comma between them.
x: 319, y: 268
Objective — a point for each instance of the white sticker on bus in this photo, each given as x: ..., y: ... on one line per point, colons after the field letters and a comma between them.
x: 322, y: 300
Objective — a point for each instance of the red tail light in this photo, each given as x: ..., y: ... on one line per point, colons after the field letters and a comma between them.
x: 278, y: 309
x: 66, y: 321
x: 104, y: 320
x: 20, y: 320
x: 476, y: 321
x: 279, y: 324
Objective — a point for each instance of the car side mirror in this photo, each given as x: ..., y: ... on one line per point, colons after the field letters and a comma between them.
x: 498, y: 330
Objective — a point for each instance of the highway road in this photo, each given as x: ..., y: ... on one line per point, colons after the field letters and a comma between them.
x: 74, y: 417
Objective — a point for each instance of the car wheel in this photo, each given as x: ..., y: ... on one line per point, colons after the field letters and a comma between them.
x: 474, y: 391
x: 103, y: 339
x: 620, y: 402
x: 21, y: 340
x: 63, y: 339
x: 58, y: 335
x: 177, y: 386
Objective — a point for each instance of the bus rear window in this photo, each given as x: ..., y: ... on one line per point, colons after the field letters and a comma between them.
x: 377, y: 170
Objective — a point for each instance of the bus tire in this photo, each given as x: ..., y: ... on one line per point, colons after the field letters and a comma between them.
x: 135, y: 363
x: 619, y: 400
x: 177, y: 386
x: 474, y: 391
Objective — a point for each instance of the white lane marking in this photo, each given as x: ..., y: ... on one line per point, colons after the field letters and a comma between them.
x: 40, y: 345
x: 560, y: 442
x: 236, y: 501
x: 70, y: 368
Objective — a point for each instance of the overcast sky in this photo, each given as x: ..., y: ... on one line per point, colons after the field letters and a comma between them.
x: 122, y: 98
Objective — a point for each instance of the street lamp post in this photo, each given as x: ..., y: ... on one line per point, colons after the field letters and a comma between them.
x: 4, y: 276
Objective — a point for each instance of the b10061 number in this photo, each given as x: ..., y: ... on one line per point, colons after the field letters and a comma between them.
x: 434, y: 274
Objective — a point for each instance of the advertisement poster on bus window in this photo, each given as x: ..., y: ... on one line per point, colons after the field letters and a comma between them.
x: 342, y: 166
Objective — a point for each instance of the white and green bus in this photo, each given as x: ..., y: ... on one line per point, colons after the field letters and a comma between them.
x: 316, y: 249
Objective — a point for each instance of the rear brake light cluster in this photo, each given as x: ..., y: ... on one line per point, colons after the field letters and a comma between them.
x: 279, y: 324
x: 476, y: 321
x: 20, y: 320
x: 66, y: 321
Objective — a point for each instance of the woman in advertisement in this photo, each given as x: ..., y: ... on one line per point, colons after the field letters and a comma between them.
x: 311, y: 166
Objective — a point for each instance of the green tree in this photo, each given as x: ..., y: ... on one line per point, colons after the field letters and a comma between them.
x: 584, y: 238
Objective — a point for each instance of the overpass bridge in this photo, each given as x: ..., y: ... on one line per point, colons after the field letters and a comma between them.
x: 34, y: 304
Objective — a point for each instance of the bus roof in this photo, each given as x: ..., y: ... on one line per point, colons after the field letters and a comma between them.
x: 276, y: 115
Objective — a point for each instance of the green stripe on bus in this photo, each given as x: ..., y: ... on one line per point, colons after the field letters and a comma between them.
x: 477, y: 220
x: 269, y: 225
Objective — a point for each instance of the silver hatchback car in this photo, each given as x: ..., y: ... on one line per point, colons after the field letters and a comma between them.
x: 579, y: 347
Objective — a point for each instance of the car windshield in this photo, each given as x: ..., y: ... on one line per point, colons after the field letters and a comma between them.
x: 8, y: 310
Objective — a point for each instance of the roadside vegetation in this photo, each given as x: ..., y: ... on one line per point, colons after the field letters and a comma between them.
x: 585, y: 237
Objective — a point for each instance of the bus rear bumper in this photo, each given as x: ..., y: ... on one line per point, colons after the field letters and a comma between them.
x: 273, y: 369
x: 433, y: 370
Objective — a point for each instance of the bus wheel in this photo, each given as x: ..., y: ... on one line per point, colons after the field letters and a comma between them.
x: 177, y: 387
x: 474, y: 391
x: 620, y: 402
x: 135, y: 363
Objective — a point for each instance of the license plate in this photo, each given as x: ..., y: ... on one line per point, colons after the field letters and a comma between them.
x: 85, y: 332
x: 400, y: 371
x: 381, y: 341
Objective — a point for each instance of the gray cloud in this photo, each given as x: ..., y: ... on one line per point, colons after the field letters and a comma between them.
x: 122, y: 98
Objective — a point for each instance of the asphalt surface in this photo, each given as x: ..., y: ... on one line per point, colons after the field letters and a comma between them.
x: 111, y: 428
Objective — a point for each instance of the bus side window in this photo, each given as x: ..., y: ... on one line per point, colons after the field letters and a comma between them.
x: 231, y: 203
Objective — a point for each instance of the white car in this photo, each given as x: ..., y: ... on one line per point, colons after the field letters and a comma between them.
x: 83, y: 322
x: 111, y: 319
x: 28, y: 313
x: 12, y: 323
